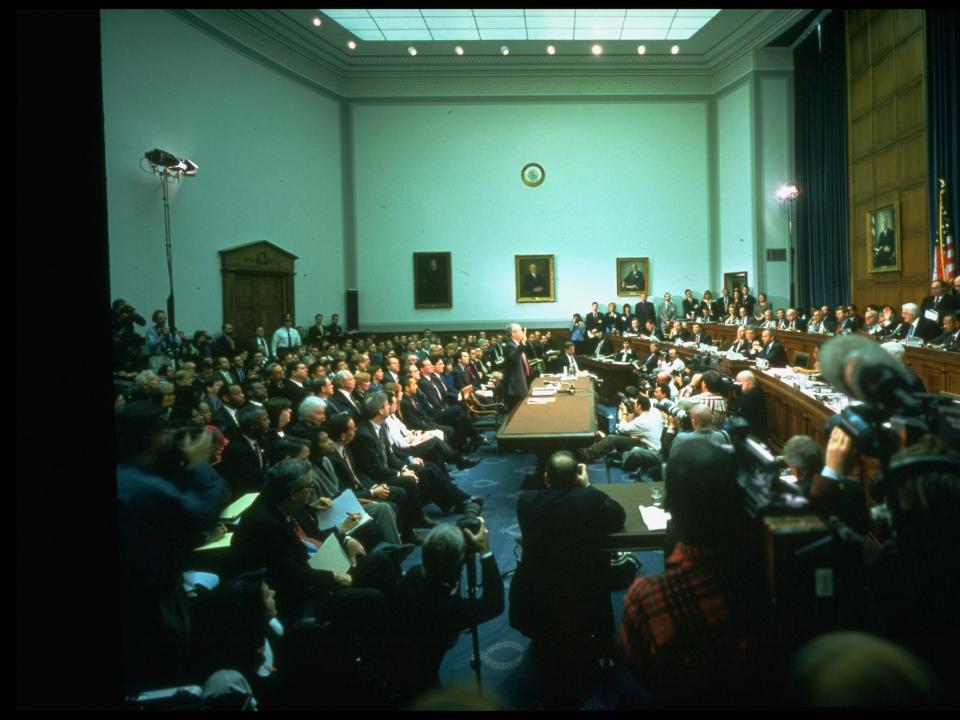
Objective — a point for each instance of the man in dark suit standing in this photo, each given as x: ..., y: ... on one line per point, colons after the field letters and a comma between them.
x: 721, y: 306
x: 334, y: 331
x: 884, y: 248
x: 259, y: 342
x: 317, y: 332
x: 772, y: 350
x: 644, y: 310
x: 939, y: 301
x: 747, y: 300
x: 226, y: 345
x: 564, y: 573
x: 516, y: 366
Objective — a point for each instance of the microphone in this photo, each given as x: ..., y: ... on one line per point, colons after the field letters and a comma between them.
x: 862, y: 369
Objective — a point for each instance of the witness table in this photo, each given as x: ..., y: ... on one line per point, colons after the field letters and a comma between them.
x: 616, y: 376
x: 634, y: 535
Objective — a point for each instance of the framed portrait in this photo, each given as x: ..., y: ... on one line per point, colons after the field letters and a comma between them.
x: 883, y: 238
x: 633, y: 276
x: 432, y: 287
x: 535, y: 278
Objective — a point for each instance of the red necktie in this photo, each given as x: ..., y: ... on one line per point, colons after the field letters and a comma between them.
x: 526, y: 365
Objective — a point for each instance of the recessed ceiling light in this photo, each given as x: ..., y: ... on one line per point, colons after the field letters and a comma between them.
x: 505, y: 50
x: 412, y: 50
x: 458, y: 50
x: 551, y: 50
x: 641, y: 49
x: 675, y: 49
x: 597, y: 49
x: 316, y: 22
x: 351, y: 44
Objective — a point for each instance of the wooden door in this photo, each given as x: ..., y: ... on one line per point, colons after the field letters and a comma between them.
x: 257, y: 287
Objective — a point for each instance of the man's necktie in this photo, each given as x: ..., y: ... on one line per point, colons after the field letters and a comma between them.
x: 256, y: 449
x: 384, y: 443
x: 289, y: 338
x: 353, y: 475
x: 526, y: 365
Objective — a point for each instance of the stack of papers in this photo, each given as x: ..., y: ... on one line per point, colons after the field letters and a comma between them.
x: 540, y: 400
x: 221, y: 543
x: 545, y: 391
x: 331, y: 556
x: 238, y: 507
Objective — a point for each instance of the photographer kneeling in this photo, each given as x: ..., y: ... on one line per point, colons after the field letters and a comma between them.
x: 431, y: 612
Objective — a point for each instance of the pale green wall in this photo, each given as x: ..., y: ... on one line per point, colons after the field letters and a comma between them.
x: 622, y: 180
x: 775, y: 147
x: 269, y: 155
x: 735, y: 172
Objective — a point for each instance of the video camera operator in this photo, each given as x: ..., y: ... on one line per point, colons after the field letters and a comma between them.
x: 701, y: 416
x: 431, y: 611
x: 749, y: 404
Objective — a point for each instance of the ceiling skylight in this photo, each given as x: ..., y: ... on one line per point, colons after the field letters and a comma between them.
x: 489, y: 24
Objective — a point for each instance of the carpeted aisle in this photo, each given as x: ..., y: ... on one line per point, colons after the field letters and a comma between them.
x: 507, y: 670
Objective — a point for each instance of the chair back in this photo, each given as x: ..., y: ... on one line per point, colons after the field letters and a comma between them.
x: 802, y: 359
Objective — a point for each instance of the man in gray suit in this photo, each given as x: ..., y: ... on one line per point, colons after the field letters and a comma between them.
x: 667, y: 312
x: 516, y: 365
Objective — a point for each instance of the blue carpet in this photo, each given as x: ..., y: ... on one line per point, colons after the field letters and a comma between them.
x: 507, y: 670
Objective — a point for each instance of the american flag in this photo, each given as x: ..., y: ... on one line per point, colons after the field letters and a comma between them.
x: 944, y: 250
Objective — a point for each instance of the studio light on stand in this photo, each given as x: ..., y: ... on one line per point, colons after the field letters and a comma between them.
x: 787, y: 194
x: 170, y: 168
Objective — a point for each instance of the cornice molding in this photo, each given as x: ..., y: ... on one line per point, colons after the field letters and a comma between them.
x: 276, y: 39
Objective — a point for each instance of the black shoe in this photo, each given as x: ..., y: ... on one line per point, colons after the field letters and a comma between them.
x: 465, y: 463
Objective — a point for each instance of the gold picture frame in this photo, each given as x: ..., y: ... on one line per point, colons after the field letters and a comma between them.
x: 535, y: 278
x: 883, y: 238
x: 633, y: 276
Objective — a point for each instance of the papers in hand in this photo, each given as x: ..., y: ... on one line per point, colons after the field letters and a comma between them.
x: 344, y: 504
x: 221, y: 543
x: 331, y: 556
x: 238, y: 507
x: 654, y: 518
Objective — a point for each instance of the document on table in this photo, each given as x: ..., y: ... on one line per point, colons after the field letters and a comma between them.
x: 654, y: 518
x: 540, y: 400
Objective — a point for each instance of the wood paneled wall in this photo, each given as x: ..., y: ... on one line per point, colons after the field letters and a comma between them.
x: 887, y: 150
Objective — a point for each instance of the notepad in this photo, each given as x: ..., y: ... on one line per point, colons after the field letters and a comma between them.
x: 221, y: 543
x: 344, y: 504
x: 331, y: 556
x: 238, y: 506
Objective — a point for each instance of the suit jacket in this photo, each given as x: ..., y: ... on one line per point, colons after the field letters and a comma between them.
x: 460, y: 377
x: 340, y: 404
x: 623, y: 324
x: 710, y: 306
x: 690, y: 307
x: 748, y: 302
x: 228, y: 426
x: 721, y: 307
x: 415, y: 415
x: 564, y: 570
x: 259, y: 343
x: 702, y: 339
x: 843, y: 327
x: 752, y: 407
x: 645, y: 311
x: 240, y: 468
x: 657, y: 333
x: 224, y: 346
x: 296, y: 394
x: 951, y: 341
x: 356, y: 480
x: 315, y: 334
x: 799, y: 325
x: 774, y: 353
x: 667, y: 312
x: 593, y: 321
x: 565, y: 363
x: 434, y: 399
x: 603, y: 347
x: 373, y: 459
x: 625, y: 354
x: 515, y: 379
x: 926, y: 329
x: 266, y: 538
x: 334, y: 332
x: 948, y: 303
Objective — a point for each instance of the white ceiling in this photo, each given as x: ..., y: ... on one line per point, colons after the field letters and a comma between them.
x: 432, y: 24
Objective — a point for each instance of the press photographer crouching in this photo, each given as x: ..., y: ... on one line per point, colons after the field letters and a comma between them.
x: 431, y: 611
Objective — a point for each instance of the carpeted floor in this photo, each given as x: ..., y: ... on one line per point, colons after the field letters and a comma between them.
x: 507, y: 670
